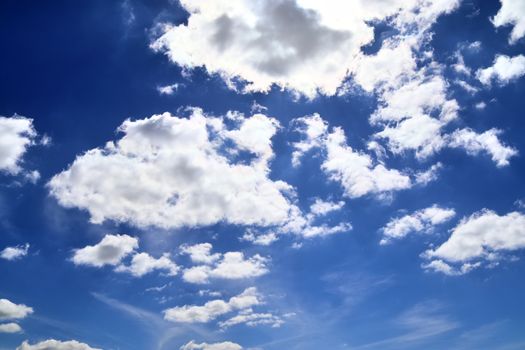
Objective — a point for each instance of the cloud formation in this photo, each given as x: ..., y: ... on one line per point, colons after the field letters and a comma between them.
x: 14, y: 253
x: 483, y: 238
x: 109, y: 251
x: 215, y: 346
x: 17, y: 134
x: 213, y: 309
x: 170, y: 171
x: 306, y: 46
x: 504, y: 70
x: 230, y: 265
x: 421, y: 221
x: 511, y: 13
x: 52, y: 344
x: 10, y: 328
x: 10, y: 310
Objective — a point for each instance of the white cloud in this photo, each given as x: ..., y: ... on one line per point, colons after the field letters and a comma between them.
x: 423, y: 220
x: 252, y: 319
x: 14, y: 253
x: 113, y: 249
x: 504, y: 70
x: 356, y: 171
x: 512, y: 12
x: 109, y: 251
x: 143, y: 263
x: 52, y: 344
x: 215, y: 346
x: 321, y: 207
x: 313, y: 129
x: 306, y: 46
x: 487, y: 142
x: 234, y: 266
x: 264, y: 239
x: 10, y: 310
x: 480, y: 105
x: 171, y: 172
x: 168, y: 89
x: 231, y: 265
x: 213, y: 309
x: 200, y: 253
x: 425, y: 177
x: 483, y: 237
x: 17, y: 134
x: 10, y: 328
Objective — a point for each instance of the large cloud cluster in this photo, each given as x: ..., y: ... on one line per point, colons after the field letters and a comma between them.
x: 170, y: 171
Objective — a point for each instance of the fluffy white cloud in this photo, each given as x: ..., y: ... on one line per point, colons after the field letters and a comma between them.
x: 231, y: 265
x: 143, y: 263
x: 52, y: 344
x: 263, y: 239
x: 425, y: 177
x: 10, y: 328
x: 10, y: 310
x: 213, y: 309
x: 168, y: 89
x: 357, y: 172
x: 512, y: 12
x: 321, y: 207
x: 17, y: 134
x: 113, y: 249
x: 13, y: 253
x: 109, y: 251
x: 252, y: 319
x: 483, y: 237
x: 423, y: 220
x: 487, y: 142
x: 200, y: 253
x: 504, y: 70
x: 170, y: 171
x: 306, y: 46
x: 215, y: 346
x: 313, y: 129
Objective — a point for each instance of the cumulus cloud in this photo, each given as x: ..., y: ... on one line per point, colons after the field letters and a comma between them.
x: 14, y: 253
x: 487, y: 142
x: 215, y: 346
x: 504, y: 70
x: 306, y: 46
x: 170, y: 171
x: 512, y: 12
x: 356, y: 171
x: 52, y: 344
x: 168, y: 89
x: 200, y: 253
x: 113, y: 249
x: 143, y: 263
x: 321, y: 207
x: 230, y: 265
x: 10, y: 310
x: 482, y: 238
x: 109, y: 251
x: 263, y: 239
x: 10, y: 328
x: 252, y: 319
x: 423, y: 220
x: 213, y: 309
x: 17, y: 134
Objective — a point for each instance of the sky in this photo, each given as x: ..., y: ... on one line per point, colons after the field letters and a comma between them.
x: 286, y: 174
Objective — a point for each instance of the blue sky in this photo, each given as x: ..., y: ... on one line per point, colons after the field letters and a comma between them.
x: 225, y: 175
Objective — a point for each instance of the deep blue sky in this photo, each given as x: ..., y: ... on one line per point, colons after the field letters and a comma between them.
x: 79, y: 69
